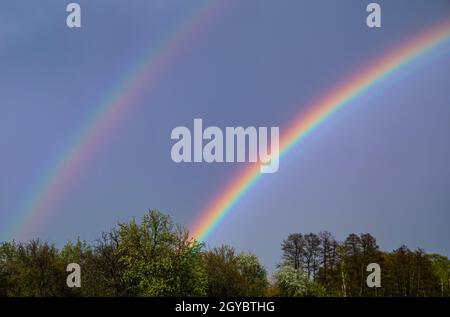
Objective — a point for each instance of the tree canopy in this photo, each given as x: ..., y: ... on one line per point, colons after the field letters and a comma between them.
x: 156, y: 257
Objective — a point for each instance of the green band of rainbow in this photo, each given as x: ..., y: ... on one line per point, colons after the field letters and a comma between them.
x: 318, y: 112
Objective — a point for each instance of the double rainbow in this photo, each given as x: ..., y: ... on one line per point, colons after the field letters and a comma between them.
x: 54, y: 183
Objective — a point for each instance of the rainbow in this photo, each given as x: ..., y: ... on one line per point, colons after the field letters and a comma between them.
x: 316, y: 114
x: 49, y: 190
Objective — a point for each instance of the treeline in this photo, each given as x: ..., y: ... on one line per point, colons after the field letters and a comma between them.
x: 155, y: 257
x: 339, y: 268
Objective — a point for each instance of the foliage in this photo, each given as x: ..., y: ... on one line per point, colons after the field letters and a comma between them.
x: 230, y: 274
x: 253, y: 275
x: 342, y: 266
x: 441, y: 270
x: 155, y: 257
x: 293, y: 282
x: 32, y: 269
x: 160, y: 259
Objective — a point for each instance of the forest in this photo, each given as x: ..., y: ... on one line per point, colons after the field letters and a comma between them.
x: 156, y: 257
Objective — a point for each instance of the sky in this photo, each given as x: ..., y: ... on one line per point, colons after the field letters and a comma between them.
x: 380, y: 165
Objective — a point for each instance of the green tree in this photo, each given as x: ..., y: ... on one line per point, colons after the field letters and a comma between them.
x: 222, y: 270
x: 230, y: 274
x: 295, y: 283
x: 441, y: 270
x: 93, y: 278
x: 409, y: 274
x: 354, y: 267
x: 253, y: 275
x: 8, y: 271
x: 160, y: 259
x: 108, y: 266
x: 327, y: 259
x: 33, y: 269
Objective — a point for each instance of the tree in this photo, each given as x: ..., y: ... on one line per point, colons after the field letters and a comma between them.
x: 223, y: 273
x: 295, y: 282
x: 160, y: 259
x: 328, y: 261
x: 95, y: 277
x: 294, y: 250
x: 33, y: 269
x: 81, y: 253
x: 156, y: 257
x: 441, y: 270
x: 370, y: 253
x: 312, y: 255
x: 8, y: 272
x: 354, y: 267
x: 108, y: 265
x: 409, y: 274
x: 231, y: 274
x: 253, y: 275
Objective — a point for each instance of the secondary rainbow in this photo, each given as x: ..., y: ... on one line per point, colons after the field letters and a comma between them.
x: 61, y: 172
x: 316, y: 114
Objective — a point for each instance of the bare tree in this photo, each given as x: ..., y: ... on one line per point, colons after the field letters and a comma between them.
x: 294, y: 250
x: 327, y: 253
x: 312, y: 254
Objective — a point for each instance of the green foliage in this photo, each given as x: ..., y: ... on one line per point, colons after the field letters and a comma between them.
x: 155, y: 257
x: 441, y: 270
x: 160, y: 259
x: 7, y: 276
x: 293, y: 282
x: 108, y: 267
x: 342, y: 266
x: 230, y: 274
x: 409, y: 274
x: 32, y: 269
x: 94, y: 277
x: 356, y: 252
x: 253, y: 275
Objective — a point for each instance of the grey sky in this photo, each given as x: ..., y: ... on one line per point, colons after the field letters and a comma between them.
x: 379, y: 166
